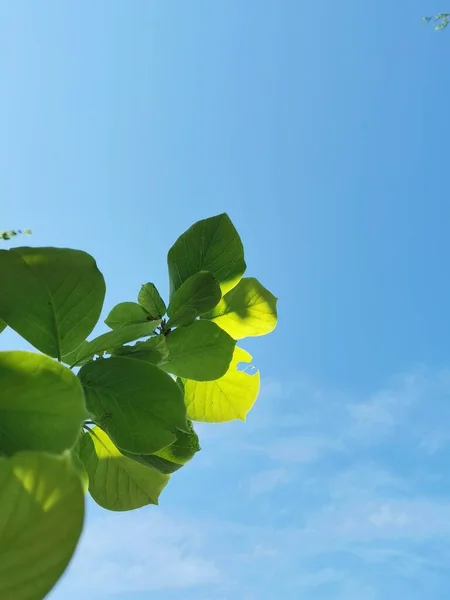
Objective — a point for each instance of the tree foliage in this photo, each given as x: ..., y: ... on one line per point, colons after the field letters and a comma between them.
x: 8, y: 234
x: 113, y: 414
x: 440, y: 21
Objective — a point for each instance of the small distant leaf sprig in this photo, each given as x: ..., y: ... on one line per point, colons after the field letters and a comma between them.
x: 440, y: 21
x: 10, y: 233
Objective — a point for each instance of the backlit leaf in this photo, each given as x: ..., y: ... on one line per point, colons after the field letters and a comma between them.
x: 41, y: 518
x: 115, y: 481
x: 249, y: 309
x: 228, y: 398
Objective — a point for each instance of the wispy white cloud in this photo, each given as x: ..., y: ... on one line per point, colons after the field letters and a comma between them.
x: 141, y: 551
x: 301, y: 449
x: 307, y: 422
x: 268, y: 480
x: 434, y: 441
x: 378, y: 411
x: 320, y: 491
x: 320, y: 578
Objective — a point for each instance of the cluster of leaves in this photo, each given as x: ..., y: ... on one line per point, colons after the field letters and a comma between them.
x: 113, y: 414
x: 8, y: 234
x: 440, y: 21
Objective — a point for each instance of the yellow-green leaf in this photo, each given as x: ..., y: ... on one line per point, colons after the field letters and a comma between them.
x: 41, y: 518
x: 117, y: 482
x: 249, y: 309
x: 228, y: 398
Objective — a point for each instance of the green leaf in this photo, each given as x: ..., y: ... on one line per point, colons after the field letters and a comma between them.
x: 228, y: 398
x: 127, y: 313
x: 52, y: 297
x: 3, y: 325
x: 196, y: 296
x: 41, y: 518
x: 170, y: 459
x: 201, y: 351
x: 11, y: 233
x: 209, y: 245
x: 111, y: 340
x: 138, y: 405
x: 79, y: 467
x: 150, y: 299
x: 71, y: 359
x: 115, y: 481
x: 153, y: 350
x: 248, y: 310
x: 41, y: 404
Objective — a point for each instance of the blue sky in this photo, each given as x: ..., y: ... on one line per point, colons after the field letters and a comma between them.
x: 324, y: 133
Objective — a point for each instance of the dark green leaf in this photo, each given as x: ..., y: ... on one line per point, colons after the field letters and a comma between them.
x: 115, y: 481
x: 196, y: 296
x: 113, y: 339
x: 138, y: 405
x: 41, y: 518
x: 209, y: 245
x: 153, y: 350
x: 11, y: 233
x: 150, y: 299
x: 3, y: 325
x: 170, y: 459
x: 52, y: 297
x: 127, y: 313
x: 202, y: 351
x: 41, y: 404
